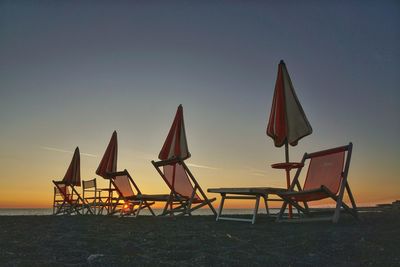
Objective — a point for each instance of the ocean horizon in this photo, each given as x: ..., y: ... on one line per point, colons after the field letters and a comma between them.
x: 49, y: 211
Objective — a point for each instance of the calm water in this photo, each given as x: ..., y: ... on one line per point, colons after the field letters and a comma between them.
x: 30, y: 212
x: 17, y: 212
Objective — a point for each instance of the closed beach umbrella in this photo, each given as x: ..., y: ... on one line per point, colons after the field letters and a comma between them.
x: 287, y: 121
x: 73, y: 174
x: 175, y: 146
x: 108, y: 163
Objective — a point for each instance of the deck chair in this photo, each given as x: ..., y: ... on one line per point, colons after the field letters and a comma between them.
x: 326, y: 178
x: 130, y: 201
x: 186, y: 194
x: 67, y: 200
x: 92, y: 195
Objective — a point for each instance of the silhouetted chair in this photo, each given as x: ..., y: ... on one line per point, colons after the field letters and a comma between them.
x: 327, y: 177
x: 186, y: 194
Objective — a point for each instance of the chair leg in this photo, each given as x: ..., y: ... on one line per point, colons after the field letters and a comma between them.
x: 336, y: 215
x: 138, y: 209
x: 339, y: 204
x: 353, y: 203
x: 266, y: 203
x: 150, y: 209
x: 189, y: 204
x: 352, y: 211
x: 207, y: 201
x: 221, y: 205
x: 255, y: 210
x: 170, y: 199
x: 282, y: 211
x: 54, y: 200
x: 58, y: 209
x: 304, y: 203
x: 300, y: 208
x: 287, y: 201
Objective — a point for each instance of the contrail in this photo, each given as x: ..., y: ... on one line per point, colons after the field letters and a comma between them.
x: 257, y: 174
x: 66, y: 151
x: 201, y: 166
x: 148, y: 156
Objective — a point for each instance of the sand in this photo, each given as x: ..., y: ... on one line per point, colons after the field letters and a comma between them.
x: 198, y: 240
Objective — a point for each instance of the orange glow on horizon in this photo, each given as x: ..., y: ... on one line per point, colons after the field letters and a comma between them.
x: 36, y: 191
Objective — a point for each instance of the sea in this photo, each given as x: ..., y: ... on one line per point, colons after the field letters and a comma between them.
x: 49, y: 211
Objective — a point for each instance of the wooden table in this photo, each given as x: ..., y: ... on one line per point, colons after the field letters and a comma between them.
x: 246, y: 193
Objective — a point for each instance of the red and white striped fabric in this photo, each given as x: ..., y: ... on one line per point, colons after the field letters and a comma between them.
x: 73, y: 174
x: 108, y: 163
x: 287, y: 120
x: 175, y: 146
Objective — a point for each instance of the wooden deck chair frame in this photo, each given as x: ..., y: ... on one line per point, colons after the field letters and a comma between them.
x: 70, y: 205
x: 338, y: 198
x: 180, y: 205
x: 135, y: 203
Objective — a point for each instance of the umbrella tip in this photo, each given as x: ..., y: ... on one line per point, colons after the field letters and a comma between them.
x: 281, y: 62
x: 77, y: 149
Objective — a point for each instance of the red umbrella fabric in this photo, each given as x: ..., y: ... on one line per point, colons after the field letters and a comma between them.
x: 175, y: 146
x: 73, y: 174
x: 287, y: 121
x: 108, y: 163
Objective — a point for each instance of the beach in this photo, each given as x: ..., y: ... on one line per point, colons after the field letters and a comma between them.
x: 198, y: 240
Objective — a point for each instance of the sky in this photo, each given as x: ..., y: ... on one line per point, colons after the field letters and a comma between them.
x: 72, y: 72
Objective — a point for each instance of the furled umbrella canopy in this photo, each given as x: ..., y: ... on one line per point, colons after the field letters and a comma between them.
x: 108, y: 163
x: 287, y: 121
x: 73, y: 174
x: 175, y: 146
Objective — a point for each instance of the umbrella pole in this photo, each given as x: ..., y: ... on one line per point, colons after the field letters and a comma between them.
x: 286, y: 152
x: 288, y: 174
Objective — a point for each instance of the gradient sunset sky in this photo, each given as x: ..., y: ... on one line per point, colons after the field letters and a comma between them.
x: 72, y: 72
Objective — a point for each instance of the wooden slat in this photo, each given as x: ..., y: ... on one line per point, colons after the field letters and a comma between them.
x: 153, y: 197
x: 247, y: 190
x: 241, y: 197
